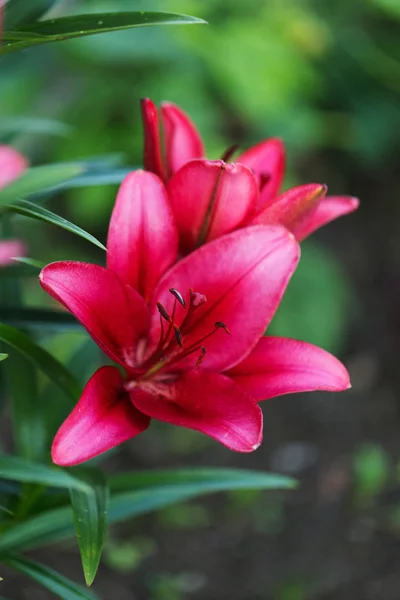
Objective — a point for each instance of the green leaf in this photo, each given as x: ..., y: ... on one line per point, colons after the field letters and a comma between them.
x: 105, y: 177
x: 30, y: 262
x: 65, y: 28
x: 40, y: 318
x: 38, y: 179
x: 51, y: 367
x: 203, y: 479
x: 33, y: 125
x: 28, y: 209
x: 27, y: 471
x: 172, y: 487
x: 29, y: 432
x: 19, y: 12
x: 3, y: 356
x: 51, y: 580
x: 90, y: 518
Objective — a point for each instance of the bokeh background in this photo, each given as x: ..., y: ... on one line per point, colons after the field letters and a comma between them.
x: 325, y: 77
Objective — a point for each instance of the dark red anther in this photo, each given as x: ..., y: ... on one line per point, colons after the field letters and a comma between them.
x: 178, y: 336
x: 202, y: 355
x: 178, y: 296
x: 163, y: 312
x: 222, y: 325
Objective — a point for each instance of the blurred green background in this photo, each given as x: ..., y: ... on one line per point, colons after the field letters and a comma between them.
x: 325, y: 77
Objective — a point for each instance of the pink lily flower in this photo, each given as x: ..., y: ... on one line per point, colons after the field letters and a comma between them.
x: 12, y: 165
x: 210, y: 198
x: 195, y: 356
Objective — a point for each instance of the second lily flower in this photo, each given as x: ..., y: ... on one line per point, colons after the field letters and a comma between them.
x: 211, y: 198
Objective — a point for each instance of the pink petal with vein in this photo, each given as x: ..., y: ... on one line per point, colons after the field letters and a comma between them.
x: 103, y: 418
x: 279, y: 366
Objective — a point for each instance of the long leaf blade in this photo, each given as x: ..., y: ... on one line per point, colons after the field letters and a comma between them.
x: 40, y: 318
x: 204, y: 479
x: 26, y: 471
x: 38, y: 179
x: 50, y: 366
x: 48, y: 578
x: 51, y: 526
x: 65, y: 28
x: 29, y: 432
x: 29, y: 209
x: 90, y: 518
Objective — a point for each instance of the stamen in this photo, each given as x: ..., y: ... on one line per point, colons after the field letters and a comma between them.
x: 222, y: 326
x: 229, y: 152
x: 178, y: 336
x: 202, y: 355
x: 163, y: 312
x: 178, y: 296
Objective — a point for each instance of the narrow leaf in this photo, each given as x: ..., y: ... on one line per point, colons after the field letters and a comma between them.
x: 29, y: 433
x: 38, y: 179
x: 3, y: 356
x: 26, y: 471
x: 54, y: 370
x: 51, y: 526
x: 65, y: 28
x: 40, y: 318
x: 48, y: 578
x: 31, y: 262
x: 33, y: 125
x: 19, y: 12
x: 202, y: 479
x: 28, y: 209
x: 109, y: 176
x: 90, y: 518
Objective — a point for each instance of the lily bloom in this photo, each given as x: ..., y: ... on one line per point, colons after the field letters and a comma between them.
x: 195, y: 357
x: 210, y: 198
x: 12, y: 165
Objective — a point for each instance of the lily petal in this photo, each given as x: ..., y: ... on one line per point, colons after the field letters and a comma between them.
x: 293, y: 207
x: 10, y: 249
x: 103, y: 418
x: 243, y: 276
x: 206, y: 402
x: 210, y: 198
x: 327, y: 210
x: 113, y: 313
x: 279, y: 366
x: 142, y: 237
x: 12, y: 165
x: 152, y: 144
x: 268, y: 161
x: 182, y: 140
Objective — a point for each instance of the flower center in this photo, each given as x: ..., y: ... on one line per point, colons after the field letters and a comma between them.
x: 172, y: 346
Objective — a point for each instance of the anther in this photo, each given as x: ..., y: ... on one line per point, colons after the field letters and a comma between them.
x: 163, y: 312
x: 178, y: 336
x: 222, y: 325
x: 202, y: 355
x: 178, y: 296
